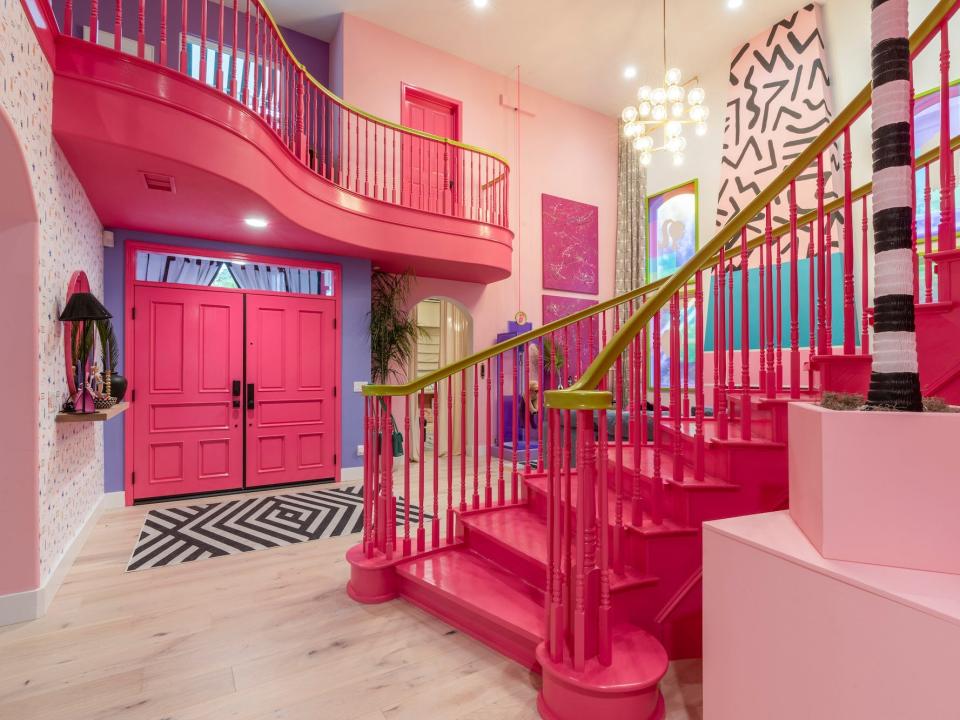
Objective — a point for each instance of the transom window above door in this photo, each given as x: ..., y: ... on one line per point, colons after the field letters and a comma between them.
x: 171, y: 268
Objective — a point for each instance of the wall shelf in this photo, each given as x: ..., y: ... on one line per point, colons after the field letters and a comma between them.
x: 96, y: 416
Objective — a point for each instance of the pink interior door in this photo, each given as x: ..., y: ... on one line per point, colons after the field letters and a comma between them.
x: 291, y: 389
x: 188, y: 363
x: 430, y: 168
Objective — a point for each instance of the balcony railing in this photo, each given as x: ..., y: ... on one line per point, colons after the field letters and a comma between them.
x: 240, y: 51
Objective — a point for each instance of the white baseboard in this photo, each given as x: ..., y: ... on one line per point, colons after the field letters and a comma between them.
x: 32, y: 604
x: 351, y: 474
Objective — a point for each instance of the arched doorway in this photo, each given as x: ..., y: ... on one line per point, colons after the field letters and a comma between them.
x: 19, y: 238
x: 446, y: 336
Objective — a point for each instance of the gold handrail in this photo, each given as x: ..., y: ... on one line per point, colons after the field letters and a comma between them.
x: 583, y: 395
x: 443, y: 373
x: 370, y: 116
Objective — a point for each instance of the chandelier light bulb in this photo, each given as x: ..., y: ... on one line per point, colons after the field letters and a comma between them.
x: 696, y: 96
x: 644, y: 92
x: 678, y: 158
x: 673, y: 76
x: 698, y: 113
x: 678, y: 109
x: 701, y: 129
x: 658, y: 96
x: 659, y: 113
x: 645, y: 159
x: 631, y: 128
x: 644, y: 109
x: 672, y: 129
x: 638, y: 143
x: 647, y: 143
x: 675, y: 93
x: 629, y: 114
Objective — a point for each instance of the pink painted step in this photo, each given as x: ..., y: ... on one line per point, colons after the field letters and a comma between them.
x: 475, y: 595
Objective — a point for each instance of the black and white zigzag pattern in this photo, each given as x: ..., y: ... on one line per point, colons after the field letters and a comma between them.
x: 894, y: 381
x: 171, y: 536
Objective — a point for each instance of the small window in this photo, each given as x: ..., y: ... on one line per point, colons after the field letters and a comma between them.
x: 233, y: 274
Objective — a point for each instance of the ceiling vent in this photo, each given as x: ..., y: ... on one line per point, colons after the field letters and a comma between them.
x: 159, y: 182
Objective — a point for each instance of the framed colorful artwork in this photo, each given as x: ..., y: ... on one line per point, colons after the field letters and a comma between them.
x: 570, y: 240
x: 673, y: 229
x: 585, y: 333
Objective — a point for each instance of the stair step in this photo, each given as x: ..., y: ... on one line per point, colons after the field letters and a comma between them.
x: 538, y: 484
x: 476, y: 596
x: 515, y: 538
x: 644, y: 465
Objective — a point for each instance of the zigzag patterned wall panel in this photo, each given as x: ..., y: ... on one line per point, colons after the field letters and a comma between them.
x: 780, y: 100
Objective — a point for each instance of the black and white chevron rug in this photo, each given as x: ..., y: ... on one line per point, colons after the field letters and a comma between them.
x: 171, y: 536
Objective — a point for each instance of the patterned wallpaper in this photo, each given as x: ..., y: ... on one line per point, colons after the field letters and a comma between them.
x: 71, y: 455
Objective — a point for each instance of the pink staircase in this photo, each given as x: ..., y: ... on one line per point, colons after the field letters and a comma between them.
x: 570, y: 539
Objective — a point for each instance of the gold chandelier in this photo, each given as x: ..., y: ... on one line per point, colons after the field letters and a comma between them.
x: 668, y: 108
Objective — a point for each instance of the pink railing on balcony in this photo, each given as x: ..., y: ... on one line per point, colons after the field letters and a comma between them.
x: 748, y: 319
x: 239, y: 50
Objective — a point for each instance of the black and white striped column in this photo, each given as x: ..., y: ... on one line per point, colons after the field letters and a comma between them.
x: 894, y: 382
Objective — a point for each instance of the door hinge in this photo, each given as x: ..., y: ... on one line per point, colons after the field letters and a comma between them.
x: 133, y: 478
x: 133, y: 396
x: 334, y: 458
x: 133, y: 313
x: 334, y: 323
x: 334, y: 390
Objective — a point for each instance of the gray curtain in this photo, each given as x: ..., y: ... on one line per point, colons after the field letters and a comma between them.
x: 631, y: 224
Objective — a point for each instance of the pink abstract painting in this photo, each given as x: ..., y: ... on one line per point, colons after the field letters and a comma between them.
x: 570, y: 238
x: 556, y: 307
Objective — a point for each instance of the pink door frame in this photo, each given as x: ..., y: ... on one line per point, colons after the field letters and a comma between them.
x: 412, y: 93
x: 130, y: 274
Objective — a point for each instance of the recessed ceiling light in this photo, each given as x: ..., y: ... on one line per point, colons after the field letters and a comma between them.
x: 734, y: 4
x: 629, y: 72
x: 480, y: 4
x: 257, y: 222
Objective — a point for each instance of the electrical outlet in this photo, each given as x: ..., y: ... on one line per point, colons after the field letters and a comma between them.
x: 359, y: 450
x: 358, y: 385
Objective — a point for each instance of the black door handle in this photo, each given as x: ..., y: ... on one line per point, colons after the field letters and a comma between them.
x: 250, y: 396
x: 237, y: 389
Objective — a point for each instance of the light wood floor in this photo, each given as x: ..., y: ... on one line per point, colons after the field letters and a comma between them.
x: 269, y: 634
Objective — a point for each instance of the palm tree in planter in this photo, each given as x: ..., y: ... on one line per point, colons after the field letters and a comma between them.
x: 894, y: 381
x: 393, y: 333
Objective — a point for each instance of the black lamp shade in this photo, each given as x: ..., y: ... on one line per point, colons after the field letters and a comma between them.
x: 84, y: 306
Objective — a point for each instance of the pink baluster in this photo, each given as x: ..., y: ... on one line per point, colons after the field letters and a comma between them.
x: 675, y: 387
x: 779, y: 316
x: 686, y: 352
x: 514, y: 481
x: 218, y: 67
x: 717, y: 334
x: 421, y: 471
x: 387, y: 512
x: 117, y: 25
x: 463, y: 440
x: 720, y: 350
x: 745, y: 335
x: 488, y: 491
x: 183, y: 35
x: 203, y: 40
x: 68, y: 18
x: 698, y: 464
x: 368, y: 491
x: 794, y: 296
x: 584, y: 472
x: 731, y: 327
x: 526, y: 408
x: 95, y: 21
x: 771, y: 378
x: 449, y: 516
x: 821, y: 264
x: 927, y: 237
x: 501, y: 487
x: 864, y: 279
x: 435, y: 527
x: 913, y: 197
x: 828, y: 284
x: 406, y: 476
x: 947, y: 236
x: 761, y: 318
x: 618, y: 450
x: 656, y: 506
x: 555, y: 610
x: 605, y: 614
x: 812, y: 306
x: 235, y: 51
x: 849, y: 336
x: 540, y: 409
x: 476, y: 437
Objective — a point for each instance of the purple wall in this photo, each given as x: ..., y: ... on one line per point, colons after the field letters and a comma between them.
x: 355, y: 342
x: 313, y: 53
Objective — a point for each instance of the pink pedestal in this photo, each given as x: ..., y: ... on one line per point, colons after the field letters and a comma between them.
x: 792, y: 636
x: 877, y: 487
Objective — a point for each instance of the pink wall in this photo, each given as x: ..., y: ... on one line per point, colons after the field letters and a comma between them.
x: 565, y: 150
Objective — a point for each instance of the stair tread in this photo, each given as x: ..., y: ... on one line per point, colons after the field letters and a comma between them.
x: 521, y: 529
x: 474, y: 582
x: 645, y: 467
x: 666, y: 527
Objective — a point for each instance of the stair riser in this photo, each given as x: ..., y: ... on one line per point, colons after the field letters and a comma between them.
x: 510, y: 559
x: 502, y: 638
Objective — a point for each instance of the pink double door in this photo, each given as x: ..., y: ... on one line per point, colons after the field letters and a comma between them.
x: 231, y: 390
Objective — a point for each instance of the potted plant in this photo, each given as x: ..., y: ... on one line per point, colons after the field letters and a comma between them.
x: 393, y: 333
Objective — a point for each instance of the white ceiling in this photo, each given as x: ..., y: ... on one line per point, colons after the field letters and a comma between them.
x: 575, y: 49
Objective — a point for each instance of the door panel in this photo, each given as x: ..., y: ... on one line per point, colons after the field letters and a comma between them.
x: 291, y: 366
x: 429, y: 168
x: 188, y: 437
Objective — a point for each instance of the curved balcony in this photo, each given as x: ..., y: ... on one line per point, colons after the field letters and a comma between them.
x: 193, y: 136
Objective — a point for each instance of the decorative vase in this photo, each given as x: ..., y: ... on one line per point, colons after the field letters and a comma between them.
x: 118, y: 386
